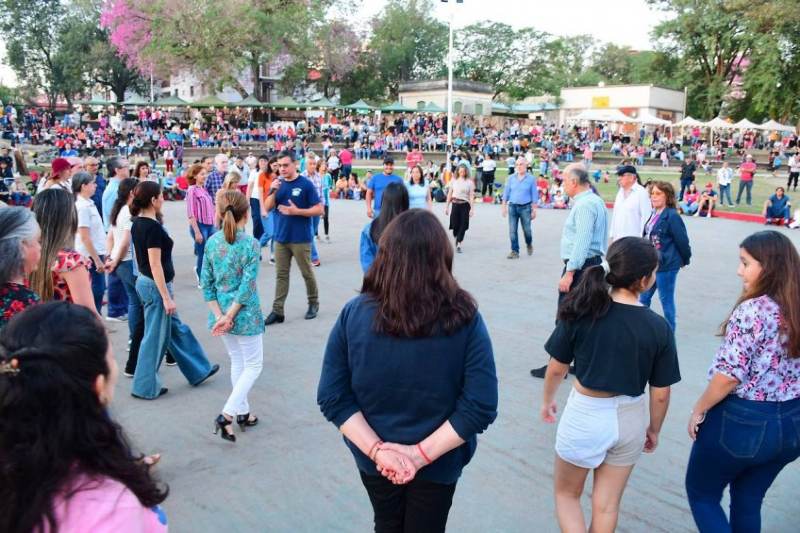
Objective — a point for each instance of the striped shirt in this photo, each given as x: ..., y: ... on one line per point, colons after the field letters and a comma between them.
x: 585, y: 232
x: 214, y: 183
x: 199, y: 205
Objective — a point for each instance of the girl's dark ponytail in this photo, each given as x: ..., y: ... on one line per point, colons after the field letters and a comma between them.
x: 629, y: 260
x: 590, y: 297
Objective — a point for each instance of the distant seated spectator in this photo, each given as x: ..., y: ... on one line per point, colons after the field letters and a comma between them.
x: 559, y: 200
x: 543, y: 187
x: 182, y: 182
x: 708, y: 200
x: 778, y: 208
x: 341, y: 187
x: 689, y: 204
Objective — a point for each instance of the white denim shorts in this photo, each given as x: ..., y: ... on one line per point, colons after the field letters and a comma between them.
x: 593, y: 431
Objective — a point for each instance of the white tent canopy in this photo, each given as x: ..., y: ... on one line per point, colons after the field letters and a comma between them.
x: 719, y: 123
x: 689, y: 122
x: 774, y: 125
x: 602, y: 115
x: 647, y: 118
x: 745, y: 124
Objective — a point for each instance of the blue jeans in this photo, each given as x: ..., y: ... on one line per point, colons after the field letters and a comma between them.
x: 314, y: 229
x: 774, y: 212
x: 135, y: 312
x: 268, y: 225
x: 725, y: 190
x: 665, y: 283
x: 255, y: 212
x: 206, y: 230
x: 117, y: 299
x: 743, y: 444
x: 748, y: 186
x: 689, y: 209
x: 98, y: 285
x: 519, y: 214
x: 162, y: 331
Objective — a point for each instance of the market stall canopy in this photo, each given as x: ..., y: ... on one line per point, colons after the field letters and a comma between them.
x: 745, y: 124
x: 430, y: 107
x: 209, y: 101
x: 689, y: 122
x: 397, y: 107
x: 135, y: 100
x: 361, y: 105
x: 286, y: 103
x: 322, y: 103
x: 250, y: 101
x: 96, y: 102
x: 500, y: 107
x: 774, y: 125
x: 719, y: 123
x: 171, y: 101
x: 602, y: 115
x: 647, y: 118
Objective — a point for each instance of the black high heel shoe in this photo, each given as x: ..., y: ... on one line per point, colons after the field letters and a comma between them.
x: 220, y: 424
x: 244, y: 421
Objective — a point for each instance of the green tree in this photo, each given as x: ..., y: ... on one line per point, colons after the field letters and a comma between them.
x: 407, y: 43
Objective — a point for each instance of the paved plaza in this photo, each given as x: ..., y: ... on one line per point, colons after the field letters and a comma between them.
x: 293, y: 473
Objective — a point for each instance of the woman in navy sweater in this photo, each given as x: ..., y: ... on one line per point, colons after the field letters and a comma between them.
x: 666, y: 231
x: 409, y: 377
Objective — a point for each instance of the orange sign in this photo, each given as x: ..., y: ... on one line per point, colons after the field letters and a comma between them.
x: 600, y: 102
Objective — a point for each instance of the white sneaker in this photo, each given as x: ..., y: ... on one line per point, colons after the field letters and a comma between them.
x: 123, y: 318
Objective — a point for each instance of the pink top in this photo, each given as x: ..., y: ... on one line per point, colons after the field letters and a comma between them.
x: 199, y: 205
x: 104, y: 505
x: 346, y: 157
x: 746, y: 170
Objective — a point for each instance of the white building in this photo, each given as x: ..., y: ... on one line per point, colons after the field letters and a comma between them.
x: 188, y: 85
x: 469, y: 97
x: 632, y: 100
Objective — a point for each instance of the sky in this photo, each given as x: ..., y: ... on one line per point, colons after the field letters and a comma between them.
x: 623, y: 22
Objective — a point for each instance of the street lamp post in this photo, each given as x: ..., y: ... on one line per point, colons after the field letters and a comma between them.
x: 450, y: 86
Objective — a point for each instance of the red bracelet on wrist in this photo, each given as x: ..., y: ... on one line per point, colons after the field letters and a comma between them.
x: 427, y: 459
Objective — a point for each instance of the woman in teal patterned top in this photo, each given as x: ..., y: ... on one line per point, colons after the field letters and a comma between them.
x: 230, y: 269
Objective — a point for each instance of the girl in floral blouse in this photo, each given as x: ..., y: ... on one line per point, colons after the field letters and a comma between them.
x: 19, y: 255
x: 230, y: 269
x: 62, y: 273
x: 745, y: 425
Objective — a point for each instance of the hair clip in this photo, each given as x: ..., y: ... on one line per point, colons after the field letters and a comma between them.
x: 606, y: 267
x: 9, y: 366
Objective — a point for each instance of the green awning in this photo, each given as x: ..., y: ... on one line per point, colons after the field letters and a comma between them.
x: 136, y: 100
x: 322, y: 103
x: 209, y: 101
x: 361, y: 105
x: 171, y: 101
x: 286, y: 103
x: 397, y: 107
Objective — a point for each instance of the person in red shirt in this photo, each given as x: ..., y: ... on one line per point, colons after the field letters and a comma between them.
x: 346, y: 160
x: 747, y: 171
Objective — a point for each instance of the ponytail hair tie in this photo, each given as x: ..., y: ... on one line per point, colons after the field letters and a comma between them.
x: 229, y: 209
x: 605, y: 266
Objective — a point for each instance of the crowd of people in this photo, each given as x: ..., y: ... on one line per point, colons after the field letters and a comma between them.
x: 92, y: 241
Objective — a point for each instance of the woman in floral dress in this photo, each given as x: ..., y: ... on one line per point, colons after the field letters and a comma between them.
x: 746, y: 425
x: 19, y: 255
x: 230, y: 269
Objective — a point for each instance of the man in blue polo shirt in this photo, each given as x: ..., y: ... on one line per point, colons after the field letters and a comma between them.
x: 377, y: 184
x: 519, y: 204
x: 297, y: 201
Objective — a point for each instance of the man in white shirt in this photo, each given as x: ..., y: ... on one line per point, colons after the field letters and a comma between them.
x: 632, y: 206
x: 333, y: 164
x: 724, y: 180
x: 794, y: 170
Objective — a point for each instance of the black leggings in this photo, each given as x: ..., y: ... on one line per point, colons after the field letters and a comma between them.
x: 325, y: 223
x: 488, y: 183
x: 417, y: 507
x: 792, y: 176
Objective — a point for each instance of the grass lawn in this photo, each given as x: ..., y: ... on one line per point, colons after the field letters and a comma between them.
x: 763, y: 187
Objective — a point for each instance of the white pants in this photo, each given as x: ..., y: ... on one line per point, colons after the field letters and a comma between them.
x: 247, y: 359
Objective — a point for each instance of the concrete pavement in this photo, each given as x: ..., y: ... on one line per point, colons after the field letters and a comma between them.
x: 293, y: 473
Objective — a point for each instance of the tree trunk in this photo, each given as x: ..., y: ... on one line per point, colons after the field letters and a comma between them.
x: 256, y: 82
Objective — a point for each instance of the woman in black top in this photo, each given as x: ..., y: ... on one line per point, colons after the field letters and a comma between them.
x: 162, y: 327
x: 618, y: 347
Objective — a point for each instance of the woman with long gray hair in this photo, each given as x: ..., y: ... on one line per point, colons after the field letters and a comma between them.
x: 19, y: 255
x: 62, y: 273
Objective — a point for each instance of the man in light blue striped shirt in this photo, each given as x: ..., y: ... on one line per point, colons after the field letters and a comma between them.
x: 585, y: 235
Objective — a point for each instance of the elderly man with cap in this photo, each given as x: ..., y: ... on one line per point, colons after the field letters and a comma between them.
x: 60, y: 174
x: 747, y: 172
x: 631, y: 207
x: 377, y: 184
x: 584, y: 238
